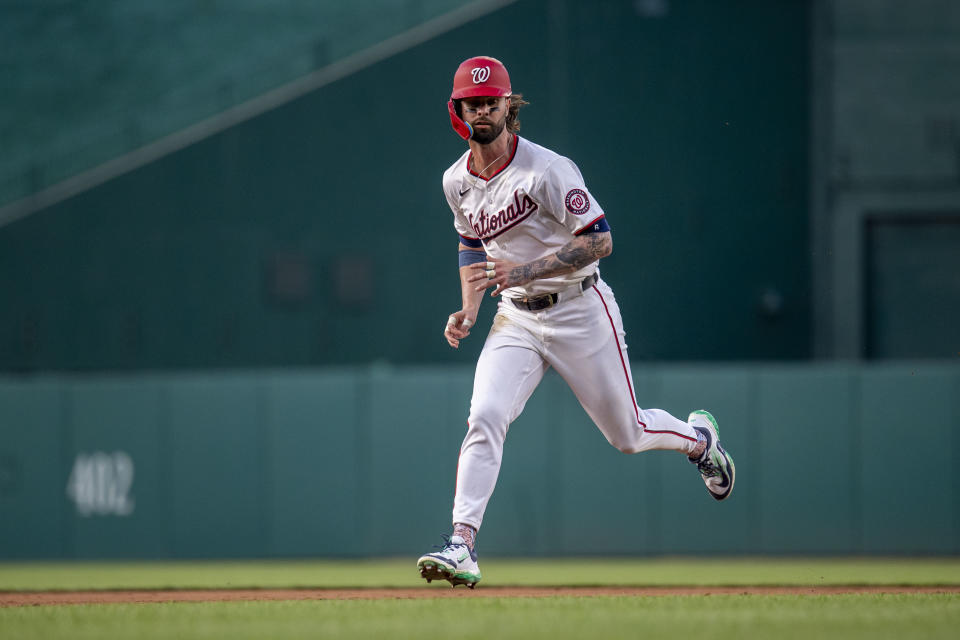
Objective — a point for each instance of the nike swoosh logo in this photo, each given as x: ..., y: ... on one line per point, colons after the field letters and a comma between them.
x: 463, y: 192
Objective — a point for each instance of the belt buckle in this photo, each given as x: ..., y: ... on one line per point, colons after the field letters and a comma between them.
x: 538, y: 303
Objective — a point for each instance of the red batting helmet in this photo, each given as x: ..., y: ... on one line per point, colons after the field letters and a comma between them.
x: 479, y: 76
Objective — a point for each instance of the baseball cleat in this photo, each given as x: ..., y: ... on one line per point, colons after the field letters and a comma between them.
x: 715, y: 465
x: 455, y: 562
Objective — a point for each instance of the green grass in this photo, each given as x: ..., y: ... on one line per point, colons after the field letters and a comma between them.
x: 851, y: 617
x: 500, y: 572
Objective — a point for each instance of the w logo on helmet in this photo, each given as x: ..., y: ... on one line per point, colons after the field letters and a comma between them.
x: 480, y: 74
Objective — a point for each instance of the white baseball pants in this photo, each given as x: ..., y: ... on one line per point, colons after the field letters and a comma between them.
x: 582, y: 338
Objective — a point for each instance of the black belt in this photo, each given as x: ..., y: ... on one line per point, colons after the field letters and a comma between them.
x: 547, y: 300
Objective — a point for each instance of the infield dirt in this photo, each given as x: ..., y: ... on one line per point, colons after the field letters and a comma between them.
x: 38, y: 598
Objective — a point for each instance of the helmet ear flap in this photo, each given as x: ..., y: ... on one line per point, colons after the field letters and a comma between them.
x: 463, y: 129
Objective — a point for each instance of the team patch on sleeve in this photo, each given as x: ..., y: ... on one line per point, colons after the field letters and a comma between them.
x: 577, y: 202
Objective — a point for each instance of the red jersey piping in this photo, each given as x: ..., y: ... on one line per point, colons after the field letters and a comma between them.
x: 589, y: 224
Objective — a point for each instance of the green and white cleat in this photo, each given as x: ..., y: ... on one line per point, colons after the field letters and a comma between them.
x: 715, y: 465
x: 455, y: 563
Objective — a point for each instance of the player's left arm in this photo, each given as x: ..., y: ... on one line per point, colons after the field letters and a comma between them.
x: 576, y: 254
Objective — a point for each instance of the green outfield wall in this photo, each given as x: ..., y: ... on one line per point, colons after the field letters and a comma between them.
x: 286, y: 239
x: 361, y: 461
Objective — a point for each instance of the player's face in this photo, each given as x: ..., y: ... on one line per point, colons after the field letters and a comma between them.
x: 487, y: 115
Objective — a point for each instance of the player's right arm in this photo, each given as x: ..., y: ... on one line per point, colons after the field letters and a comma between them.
x: 469, y: 251
x: 459, y: 323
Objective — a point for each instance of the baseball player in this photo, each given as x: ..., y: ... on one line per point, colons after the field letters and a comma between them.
x: 530, y: 229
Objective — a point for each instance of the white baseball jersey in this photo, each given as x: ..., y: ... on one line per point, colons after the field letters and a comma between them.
x: 528, y: 210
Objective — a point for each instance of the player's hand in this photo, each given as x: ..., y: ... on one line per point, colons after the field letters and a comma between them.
x: 502, y: 274
x: 458, y: 326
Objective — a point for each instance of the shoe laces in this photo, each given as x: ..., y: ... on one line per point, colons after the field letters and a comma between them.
x: 447, y: 544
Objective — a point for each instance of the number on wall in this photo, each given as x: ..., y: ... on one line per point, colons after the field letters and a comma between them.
x: 100, y: 483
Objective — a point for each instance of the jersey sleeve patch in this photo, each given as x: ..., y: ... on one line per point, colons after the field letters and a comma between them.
x: 473, y: 243
x: 577, y: 202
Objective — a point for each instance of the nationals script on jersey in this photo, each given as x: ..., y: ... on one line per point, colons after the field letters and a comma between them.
x: 529, y: 209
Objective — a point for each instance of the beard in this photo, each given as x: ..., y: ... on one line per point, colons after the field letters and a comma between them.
x: 486, y: 136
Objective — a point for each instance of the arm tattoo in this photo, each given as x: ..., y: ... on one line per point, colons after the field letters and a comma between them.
x: 576, y: 254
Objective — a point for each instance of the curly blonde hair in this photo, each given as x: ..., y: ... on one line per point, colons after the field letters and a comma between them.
x: 513, y: 116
